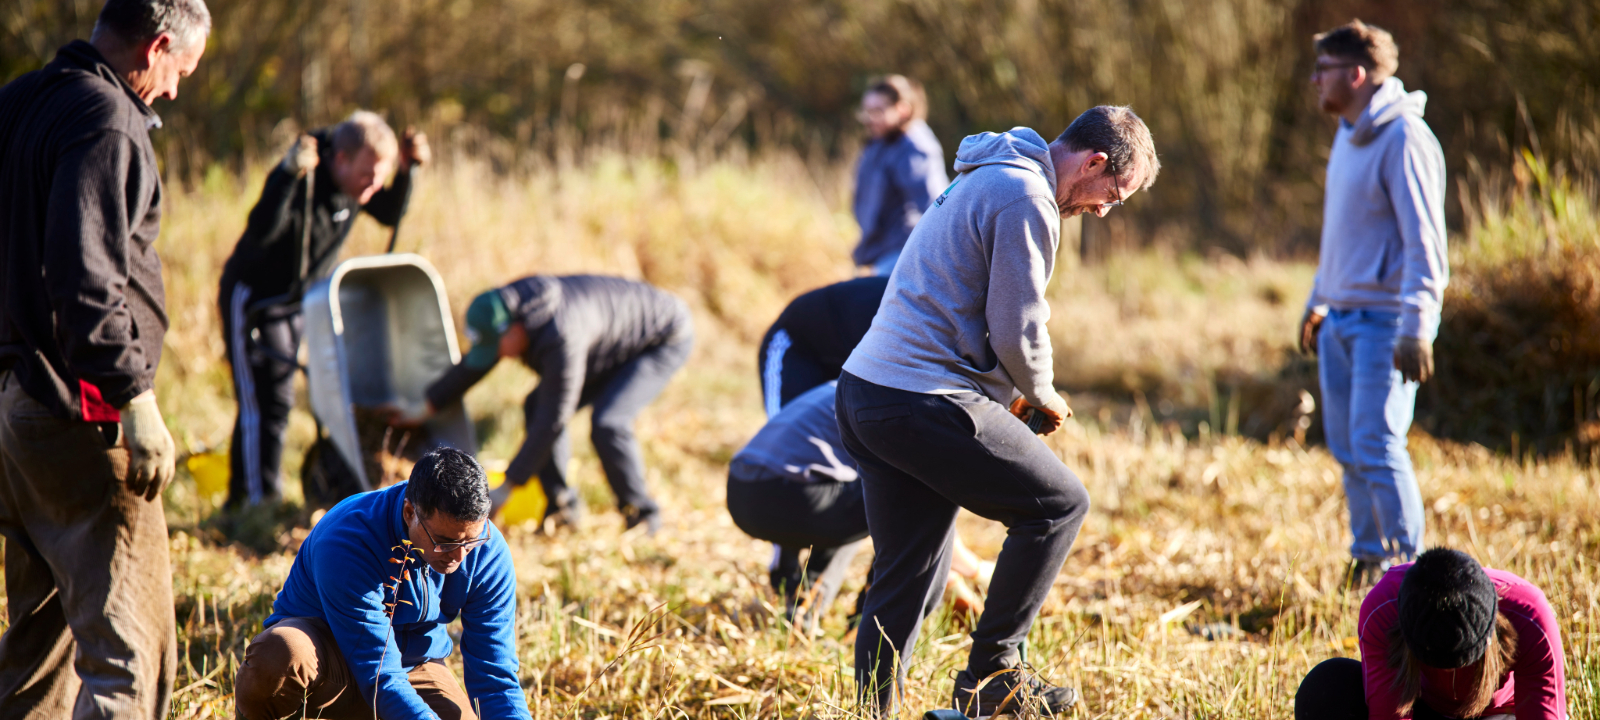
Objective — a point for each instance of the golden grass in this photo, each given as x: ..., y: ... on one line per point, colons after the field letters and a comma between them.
x: 1255, y: 533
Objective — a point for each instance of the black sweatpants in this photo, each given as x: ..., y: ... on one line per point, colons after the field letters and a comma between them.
x: 922, y: 459
x: 828, y: 517
x: 263, y: 360
x: 617, y: 399
x: 1334, y: 690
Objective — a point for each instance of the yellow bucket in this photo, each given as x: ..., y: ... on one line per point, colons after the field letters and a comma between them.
x: 526, y: 503
x: 210, y: 473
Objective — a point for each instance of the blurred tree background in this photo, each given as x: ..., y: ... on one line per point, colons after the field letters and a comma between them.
x: 1222, y: 84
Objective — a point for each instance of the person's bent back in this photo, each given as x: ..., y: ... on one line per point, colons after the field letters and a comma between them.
x: 364, y: 614
x: 1445, y: 637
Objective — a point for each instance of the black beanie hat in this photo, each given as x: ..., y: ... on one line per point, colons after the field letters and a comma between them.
x: 1447, y: 609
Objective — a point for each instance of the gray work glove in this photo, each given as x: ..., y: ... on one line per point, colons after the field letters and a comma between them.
x: 1413, y: 357
x: 152, y: 457
x: 302, y: 156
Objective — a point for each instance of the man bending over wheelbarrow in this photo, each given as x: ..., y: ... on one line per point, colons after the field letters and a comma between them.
x: 306, y: 210
x: 593, y: 340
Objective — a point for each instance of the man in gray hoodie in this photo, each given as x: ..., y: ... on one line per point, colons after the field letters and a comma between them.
x: 929, y: 406
x: 1374, y: 309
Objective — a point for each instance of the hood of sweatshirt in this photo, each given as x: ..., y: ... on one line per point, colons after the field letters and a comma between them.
x: 1389, y: 103
x: 1018, y: 147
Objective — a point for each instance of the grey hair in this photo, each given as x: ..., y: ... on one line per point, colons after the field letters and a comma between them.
x: 365, y: 129
x: 1116, y: 131
x: 140, y: 21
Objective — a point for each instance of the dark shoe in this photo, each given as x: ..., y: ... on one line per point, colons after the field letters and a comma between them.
x: 564, y: 510
x: 1362, y: 574
x: 650, y: 518
x: 1010, y: 692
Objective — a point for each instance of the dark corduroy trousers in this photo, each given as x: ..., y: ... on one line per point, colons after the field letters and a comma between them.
x: 88, y: 579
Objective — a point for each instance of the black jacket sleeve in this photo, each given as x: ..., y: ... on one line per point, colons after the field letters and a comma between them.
x: 274, y: 212
x: 547, y: 410
x: 388, y: 205
x: 98, y: 193
x: 453, y: 385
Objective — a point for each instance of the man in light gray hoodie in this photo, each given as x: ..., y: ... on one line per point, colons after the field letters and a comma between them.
x: 1374, y: 310
x: 930, y: 401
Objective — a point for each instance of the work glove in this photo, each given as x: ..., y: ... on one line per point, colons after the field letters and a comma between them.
x: 302, y: 156
x: 1413, y: 357
x: 151, y: 453
x: 414, y: 148
x: 1055, y: 412
x: 1310, y: 323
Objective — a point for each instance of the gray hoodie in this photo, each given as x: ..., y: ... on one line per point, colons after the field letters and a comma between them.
x: 1383, y: 233
x: 965, y: 308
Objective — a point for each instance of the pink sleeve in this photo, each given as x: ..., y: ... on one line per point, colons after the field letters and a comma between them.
x: 1379, y: 612
x: 1539, y: 674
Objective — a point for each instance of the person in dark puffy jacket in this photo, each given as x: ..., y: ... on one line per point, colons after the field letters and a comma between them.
x: 595, y: 341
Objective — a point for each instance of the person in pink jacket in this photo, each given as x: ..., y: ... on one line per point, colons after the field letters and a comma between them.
x: 1442, y: 638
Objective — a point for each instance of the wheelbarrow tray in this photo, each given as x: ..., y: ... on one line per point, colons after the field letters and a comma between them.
x: 378, y: 332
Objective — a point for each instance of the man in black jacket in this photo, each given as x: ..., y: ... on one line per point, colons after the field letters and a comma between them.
x: 811, y: 338
x: 593, y: 340
x: 84, y: 452
x: 289, y: 243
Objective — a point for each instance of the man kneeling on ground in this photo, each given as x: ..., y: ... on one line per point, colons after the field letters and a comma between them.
x: 363, y: 617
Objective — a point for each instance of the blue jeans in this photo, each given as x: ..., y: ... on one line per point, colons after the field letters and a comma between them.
x: 1366, y: 411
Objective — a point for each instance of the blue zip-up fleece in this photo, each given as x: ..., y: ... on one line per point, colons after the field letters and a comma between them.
x: 339, y: 576
x: 1383, y: 234
x: 896, y: 178
x: 965, y: 309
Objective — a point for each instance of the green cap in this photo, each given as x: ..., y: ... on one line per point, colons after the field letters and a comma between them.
x: 487, y: 320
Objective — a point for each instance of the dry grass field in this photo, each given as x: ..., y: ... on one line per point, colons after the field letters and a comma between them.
x: 1193, y: 527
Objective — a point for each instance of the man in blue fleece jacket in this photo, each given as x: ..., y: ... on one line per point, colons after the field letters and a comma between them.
x: 1374, y: 308
x: 930, y: 401
x: 330, y: 638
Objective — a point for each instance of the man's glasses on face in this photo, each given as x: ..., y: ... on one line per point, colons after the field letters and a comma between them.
x: 1318, y: 69
x: 1116, y: 190
x: 449, y: 547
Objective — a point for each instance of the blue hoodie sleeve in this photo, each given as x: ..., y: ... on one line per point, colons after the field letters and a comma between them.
x: 1415, y: 179
x: 350, y: 575
x: 489, y: 637
x: 920, y: 177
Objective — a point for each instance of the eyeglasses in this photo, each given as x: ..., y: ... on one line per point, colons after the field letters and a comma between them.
x: 1321, y: 68
x: 1116, y: 182
x: 450, y: 547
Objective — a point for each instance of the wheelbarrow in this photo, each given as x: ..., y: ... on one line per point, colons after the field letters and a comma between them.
x: 378, y: 331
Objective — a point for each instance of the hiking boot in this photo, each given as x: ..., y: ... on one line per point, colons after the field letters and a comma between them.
x: 1362, y: 574
x: 650, y: 518
x: 1011, y: 691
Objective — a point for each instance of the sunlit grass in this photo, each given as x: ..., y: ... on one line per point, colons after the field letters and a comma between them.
x: 1255, y: 533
